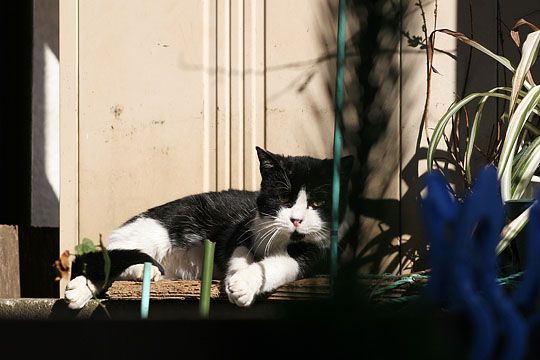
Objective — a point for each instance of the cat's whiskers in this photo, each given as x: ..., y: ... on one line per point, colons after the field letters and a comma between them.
x: 265, y: 224
x: 318, y: 235
x: 256, y: 233
x: 321, y: 237
x: 269, y: 238
x: 315, y: 229
x: 248, y: 226
x: 264, y: 227
x: 267, y: 215
x: 271, y: 226
x: 270, y: 234
x: 285, y: 176
x: 262, y: 239
x: 268, y: 244
x: 286, y: 186
x: 268, y: 223
x: 279, y: 220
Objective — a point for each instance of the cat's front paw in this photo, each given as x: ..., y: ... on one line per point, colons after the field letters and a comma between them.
x: 244, y: 285
x: 78, y: 292
x: 136, y: 272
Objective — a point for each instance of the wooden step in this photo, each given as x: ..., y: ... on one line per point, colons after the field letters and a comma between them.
x: 305, y: 289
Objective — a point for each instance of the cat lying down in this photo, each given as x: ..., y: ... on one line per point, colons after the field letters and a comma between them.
x: 264, y: 239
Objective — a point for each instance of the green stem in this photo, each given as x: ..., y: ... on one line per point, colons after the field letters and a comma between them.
x: 206, y: 284
x: 338, y: 140
x: 145, y: 295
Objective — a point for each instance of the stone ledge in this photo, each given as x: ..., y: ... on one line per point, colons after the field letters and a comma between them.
x: 160, y: 309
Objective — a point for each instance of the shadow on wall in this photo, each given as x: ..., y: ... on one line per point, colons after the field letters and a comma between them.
x: 388, y: 235
x: 371, y: 120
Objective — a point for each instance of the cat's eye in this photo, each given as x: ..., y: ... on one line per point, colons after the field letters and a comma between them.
x: 284, y: 198
x: 317, y: 203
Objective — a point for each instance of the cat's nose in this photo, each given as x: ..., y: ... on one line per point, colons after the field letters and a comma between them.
x: 296, y: 222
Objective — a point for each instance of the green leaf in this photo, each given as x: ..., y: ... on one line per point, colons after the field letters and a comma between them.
x: 85, y: 247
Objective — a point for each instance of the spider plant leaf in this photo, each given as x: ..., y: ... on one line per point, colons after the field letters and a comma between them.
x: 515, y: 126
x: 474, y: 130
x: 476, y: 124
x: 511, y: 230
x: 526, y: 168
x: 528, y: 57
x: 438, y: 132
x: 461, y: 37
x: 532, y: 128
x: 500, y: 59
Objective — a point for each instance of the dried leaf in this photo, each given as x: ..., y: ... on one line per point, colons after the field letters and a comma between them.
x: 514, y: 33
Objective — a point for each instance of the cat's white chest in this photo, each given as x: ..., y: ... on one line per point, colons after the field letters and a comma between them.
x: 186, y: 264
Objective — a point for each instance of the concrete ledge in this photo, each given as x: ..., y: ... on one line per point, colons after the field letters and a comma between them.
x: 41, y: 309
x: 56, y: 309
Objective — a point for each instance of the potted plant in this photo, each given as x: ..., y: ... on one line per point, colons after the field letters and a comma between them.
x: 518, y: 159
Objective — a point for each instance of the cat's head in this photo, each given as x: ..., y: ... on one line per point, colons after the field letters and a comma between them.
x: 296, y: 195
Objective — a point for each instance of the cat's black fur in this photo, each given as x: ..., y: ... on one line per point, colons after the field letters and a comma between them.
x: 93, y: 263
x: 226, y: 217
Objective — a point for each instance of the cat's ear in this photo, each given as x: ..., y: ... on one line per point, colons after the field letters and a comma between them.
x: 267, y: 160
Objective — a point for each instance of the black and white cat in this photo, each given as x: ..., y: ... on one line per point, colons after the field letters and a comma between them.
x: 263, y: 239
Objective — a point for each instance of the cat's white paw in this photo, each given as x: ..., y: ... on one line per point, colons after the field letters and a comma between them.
x: 136, y: 272
x: 78, y: 292
x: 244, y: 285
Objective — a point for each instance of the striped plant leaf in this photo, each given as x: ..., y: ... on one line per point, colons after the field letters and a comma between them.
x: 525, y: 169
x: 453, y: 109
x: 438, y: 132
x: 476, y: 124
x: 511, y: 230
x: 515, y: 126
x: 529, y: 54
x: 500, y: 59
x: 461, y: 37
x: 474, y: 130
x: 515, y: 169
